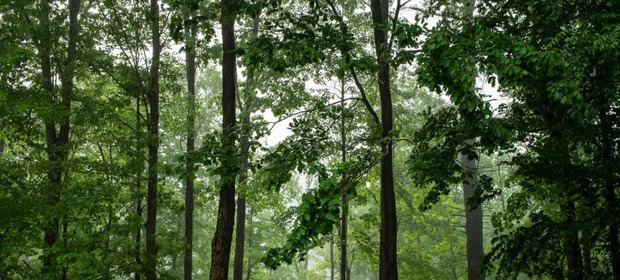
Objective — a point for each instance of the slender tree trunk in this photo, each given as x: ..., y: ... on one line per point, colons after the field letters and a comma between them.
x: 244, y: 142
x: 610, y: 190
x: 65, y: 226
x: 571, y: 244
x: 190, y: 63
x: 2, y: 144
x: 388, y: 269
x: 473, y: 219
x: 331, y: 257
x: 57, y: 143
x: 153, y: 148
x: 138, y: 190
x: 587, y: 257
x: 220, y: 248
x: 106, y: 245
x: 345, y: 203
x: 453, y: 268
x: 250, y: 242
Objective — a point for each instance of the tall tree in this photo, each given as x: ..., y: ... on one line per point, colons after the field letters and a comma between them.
x: 473, y: 215
x: 153, y: 148
x: 344, y: 267
x: 244, y: 146
x: 139, y: 167
x: 220, y: 247
x: 190, y: 71
x: 388, y: 267
x: 57, y: 141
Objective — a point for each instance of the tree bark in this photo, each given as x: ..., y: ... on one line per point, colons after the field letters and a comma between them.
x: 610, y: 190
x: 2, y: 144
x: 331, y: 257
x: 57, y: 142
x: 153, y: 148
x: 344, y: 271
x: 388, y: 268
x: 138, y: 190
x: 473, y: 216
x: 250, y: 242
x: 244, y: 142
x: 571, y: 244
x: 473, y: 219
x: 190, y: 65
x: 220, y: 248
x: 587, y: 257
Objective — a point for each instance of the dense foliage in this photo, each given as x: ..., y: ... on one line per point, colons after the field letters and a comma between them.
x: 435, y: 139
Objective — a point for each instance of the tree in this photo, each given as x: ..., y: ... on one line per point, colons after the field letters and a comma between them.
x: 153, y: 148
x: 387, y: 264
x: 247, y: 107
x: 473, y: 215
x: 220, y: 248
x: 344, y: 264
x: 190, y: 62
x: 552, y: 124
x: 57, y: 141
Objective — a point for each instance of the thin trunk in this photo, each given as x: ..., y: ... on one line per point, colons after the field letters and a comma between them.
x: 65, y: 226
x: 106, y: 245
x: 243, y: 165
x: 610, y: 190
x: 388, y: 269
x: 297, y: 271
x: 153, y: 147
x: 331, y: 257
x: 350, y: 268
x: 453, y: 261
x: 2, y: 144
x: 250, y: 242
x: 345, y: 203
x: 220, y: 248
x: 571, y: 244
x: 190, y: 61
x: 473, y: 219
x: 586, y: 248
x: 57, y: 143
x: 51, y: 228
x: 138, y: 190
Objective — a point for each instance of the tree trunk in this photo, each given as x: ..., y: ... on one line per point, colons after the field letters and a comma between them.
x: 571, y: 244
x: 250, y: 242
x: 610, y: 190
x: 65, y: 226
x: 331, y: 257
x: 345, y: 203
x: 2, y: 144
x: 587, y: 257
x: 153, y: 147
x: 244, y: 142
x: 106, y: 245
x: 473, y: 219
x: 138, y: 190
x: 190, y: 65
x: 220, y: 247
x: 388, y: 269
x: 57, y: 143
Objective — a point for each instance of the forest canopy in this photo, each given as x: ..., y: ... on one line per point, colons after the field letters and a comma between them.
x: 309, y: 139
